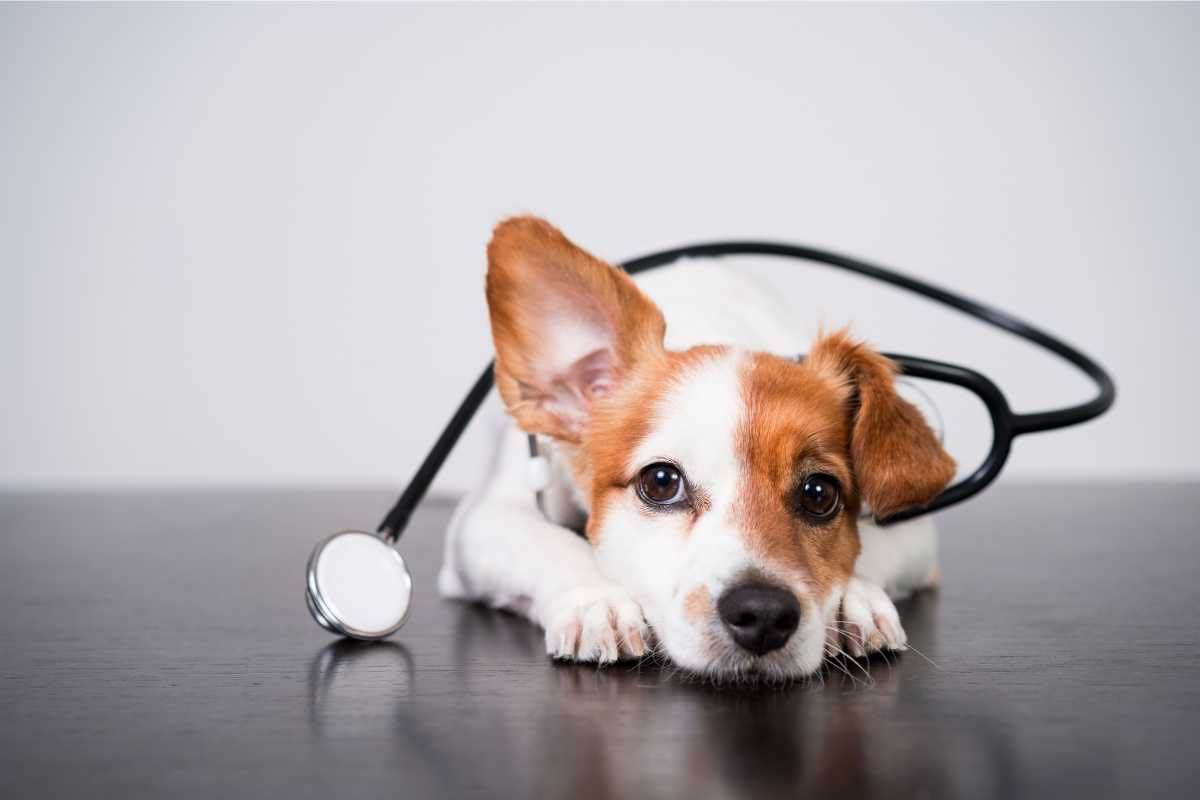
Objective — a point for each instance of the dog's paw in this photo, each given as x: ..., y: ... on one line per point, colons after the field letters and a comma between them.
x: 600, y: 623
x: 866, y: 623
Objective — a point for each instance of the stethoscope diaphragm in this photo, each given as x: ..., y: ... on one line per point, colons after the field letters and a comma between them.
x: 358, y: 585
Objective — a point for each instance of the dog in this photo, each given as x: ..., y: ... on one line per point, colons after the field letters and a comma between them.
x: 708, y: 497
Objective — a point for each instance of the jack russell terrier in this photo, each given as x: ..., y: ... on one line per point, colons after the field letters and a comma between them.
x: 705, y: 498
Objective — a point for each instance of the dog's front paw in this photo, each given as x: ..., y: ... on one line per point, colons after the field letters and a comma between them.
x: 600, y: 623
x: 867, y: 622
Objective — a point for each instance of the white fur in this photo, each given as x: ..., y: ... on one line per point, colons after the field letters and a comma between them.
x: 594, y: 605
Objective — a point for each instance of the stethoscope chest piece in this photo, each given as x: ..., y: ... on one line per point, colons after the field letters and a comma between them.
x: 358, y: 585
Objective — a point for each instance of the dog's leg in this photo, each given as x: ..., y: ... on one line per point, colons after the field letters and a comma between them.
x: 501, y: 550
x: 894, y: 562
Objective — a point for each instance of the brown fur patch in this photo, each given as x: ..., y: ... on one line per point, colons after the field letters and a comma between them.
x: 795, y: 425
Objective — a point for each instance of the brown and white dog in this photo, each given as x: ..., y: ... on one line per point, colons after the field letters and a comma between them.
x: 719, y: 489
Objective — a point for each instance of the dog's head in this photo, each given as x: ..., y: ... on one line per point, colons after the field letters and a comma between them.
x: 723, y: 486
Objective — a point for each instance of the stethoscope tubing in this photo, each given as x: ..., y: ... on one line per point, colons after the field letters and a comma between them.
x: 1006, y: 425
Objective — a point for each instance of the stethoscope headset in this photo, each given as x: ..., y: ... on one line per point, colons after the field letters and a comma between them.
x: 359, y: 586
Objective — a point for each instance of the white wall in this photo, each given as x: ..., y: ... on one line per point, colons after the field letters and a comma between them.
x: 244, y: 244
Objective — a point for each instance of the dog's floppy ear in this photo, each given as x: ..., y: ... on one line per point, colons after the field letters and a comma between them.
x: 566, y: 326
x: 898, y: 461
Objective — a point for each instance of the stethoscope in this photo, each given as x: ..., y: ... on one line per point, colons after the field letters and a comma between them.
x: 359, y: 586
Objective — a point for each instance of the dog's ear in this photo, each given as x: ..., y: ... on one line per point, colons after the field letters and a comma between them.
x: 897, y: 460
x: 566, y: 326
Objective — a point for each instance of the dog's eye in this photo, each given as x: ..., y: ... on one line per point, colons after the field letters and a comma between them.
x: 819, y: 497
x: 661, y: 484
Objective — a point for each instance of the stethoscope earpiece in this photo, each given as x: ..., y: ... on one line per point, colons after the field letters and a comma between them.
x: 358, y: 585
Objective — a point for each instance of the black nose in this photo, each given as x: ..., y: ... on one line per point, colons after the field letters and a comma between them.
x: 761, y: 618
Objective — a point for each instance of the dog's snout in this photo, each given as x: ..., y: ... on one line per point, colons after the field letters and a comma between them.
x: 760, y: 618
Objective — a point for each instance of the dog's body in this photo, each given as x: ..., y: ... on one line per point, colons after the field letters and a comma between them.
x: 747, y: 568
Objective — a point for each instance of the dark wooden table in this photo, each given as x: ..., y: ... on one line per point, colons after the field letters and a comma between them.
x: 158, y: 644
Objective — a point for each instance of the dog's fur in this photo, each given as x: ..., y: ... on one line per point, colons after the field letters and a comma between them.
x: 581, y: 361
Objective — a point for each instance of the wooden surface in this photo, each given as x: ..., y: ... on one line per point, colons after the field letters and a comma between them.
x: 158, y: 644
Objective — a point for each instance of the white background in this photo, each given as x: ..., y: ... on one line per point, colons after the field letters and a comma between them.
x: 244, y: 245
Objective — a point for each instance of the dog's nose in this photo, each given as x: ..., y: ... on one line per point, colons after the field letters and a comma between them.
x: 760, y: 618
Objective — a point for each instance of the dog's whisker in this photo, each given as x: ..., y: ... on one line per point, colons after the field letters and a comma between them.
x: 933, y: 663
x: 853, y: 661
x: 840, y: 665
x: 841, y: 668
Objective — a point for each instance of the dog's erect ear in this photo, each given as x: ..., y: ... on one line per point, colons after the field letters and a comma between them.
x: 898, y: 461
x: 566, y: 326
